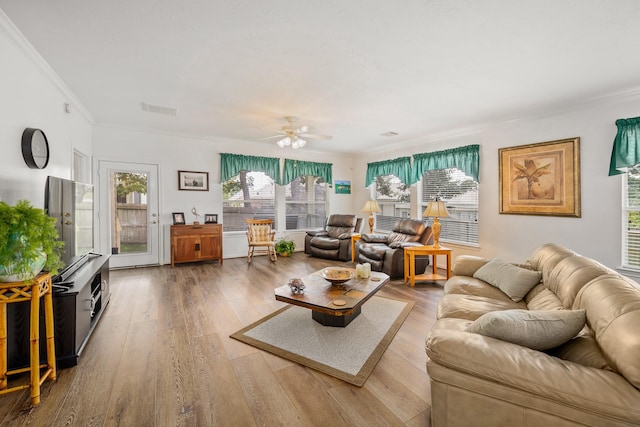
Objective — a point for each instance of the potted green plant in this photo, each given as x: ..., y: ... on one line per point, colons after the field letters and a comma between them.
x: 285, y: 247
x: 28, y: 242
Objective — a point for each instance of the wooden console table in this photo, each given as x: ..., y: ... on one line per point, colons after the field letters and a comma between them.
x: 410, y: 254
x: 196, y: 242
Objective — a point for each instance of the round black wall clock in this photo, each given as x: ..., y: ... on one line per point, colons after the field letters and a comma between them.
x: 35, y: 148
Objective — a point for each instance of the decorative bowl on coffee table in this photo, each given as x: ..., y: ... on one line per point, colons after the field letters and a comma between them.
x: 337, y: 275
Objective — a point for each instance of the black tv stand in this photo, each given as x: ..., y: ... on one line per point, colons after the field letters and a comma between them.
x: 78, y: 305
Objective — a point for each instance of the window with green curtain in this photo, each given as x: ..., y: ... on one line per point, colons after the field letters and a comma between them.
x: 297, y: 168
x: 452, y: 175
x: 466, y: 159
x: 232, y: 164
x: 249, y: 194
x: 305, y: 188
x: 631, y: 222
x: 400, y: 168
x: 626, y: 146
x: 460, y: 194
x: 625, y: 159
x: 248, y: 187
x: 394, y: 199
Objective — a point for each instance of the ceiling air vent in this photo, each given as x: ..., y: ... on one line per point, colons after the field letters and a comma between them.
x: 150, y: 108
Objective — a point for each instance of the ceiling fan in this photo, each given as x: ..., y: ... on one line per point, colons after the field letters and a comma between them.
x: 289, y: 135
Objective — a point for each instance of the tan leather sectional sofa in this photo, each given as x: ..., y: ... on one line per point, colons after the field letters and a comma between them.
x: 593, y: 379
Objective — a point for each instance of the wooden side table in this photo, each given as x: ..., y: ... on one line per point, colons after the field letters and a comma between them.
x: 410, y: 254
x: 354, y: 238
x: 30, y: 292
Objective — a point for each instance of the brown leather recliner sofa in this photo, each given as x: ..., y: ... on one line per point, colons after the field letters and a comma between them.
x: 334, y: 240
x: 385, y: 252
x: 593, y: 379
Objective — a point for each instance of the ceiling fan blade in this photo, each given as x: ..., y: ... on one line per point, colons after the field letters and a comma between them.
x: 274, y: 136
x: 314, y: 136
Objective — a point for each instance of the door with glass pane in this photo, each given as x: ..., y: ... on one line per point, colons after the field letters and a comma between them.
x: 129, y: 224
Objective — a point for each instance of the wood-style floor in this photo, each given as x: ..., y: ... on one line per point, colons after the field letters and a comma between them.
x: 161, y: 356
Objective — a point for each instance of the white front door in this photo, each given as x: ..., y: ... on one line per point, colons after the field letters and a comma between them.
x: 128, y: 213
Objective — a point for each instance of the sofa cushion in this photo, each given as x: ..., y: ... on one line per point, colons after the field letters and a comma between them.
x: 612, y: 303
x: 513, y: 281
x: 570, y: 275
x: 325, y: 242
x: 538, y: 330
x: 339, y: 232
x: 340, y: 225
x: 582, y: 349
x: 471, y: 307
x: 466, y: 285
x: 466, y: 265
x: 547, y: 256
x: 541, y: 298
x: 373, y: 251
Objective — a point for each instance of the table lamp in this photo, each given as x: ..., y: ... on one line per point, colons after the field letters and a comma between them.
x: 371, y: 206
x: 436, y: 209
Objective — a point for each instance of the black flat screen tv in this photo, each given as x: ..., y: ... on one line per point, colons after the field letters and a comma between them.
x: 71, y: 204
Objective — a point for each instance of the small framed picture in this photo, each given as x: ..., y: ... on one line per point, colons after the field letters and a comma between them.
x: 178, y: 218
x: 193, y: 181
x: 210, y: 218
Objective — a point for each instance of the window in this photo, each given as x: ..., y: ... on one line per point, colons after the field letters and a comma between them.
x: 631, y: 220
x: 247, y: 195
x: 460, y: 192
x: 394, y: 200
x: 306, y: 202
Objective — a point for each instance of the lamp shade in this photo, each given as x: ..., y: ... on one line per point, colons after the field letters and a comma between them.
x: 371, y: 206
x: 436, y: 209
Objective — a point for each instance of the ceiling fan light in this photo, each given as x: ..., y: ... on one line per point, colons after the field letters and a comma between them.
x: 295, y: 144
x: 301, y: 142
x: 284, y: 142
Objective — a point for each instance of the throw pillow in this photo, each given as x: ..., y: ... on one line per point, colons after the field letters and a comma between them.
x: 538, y: 330
x: 514, y: 281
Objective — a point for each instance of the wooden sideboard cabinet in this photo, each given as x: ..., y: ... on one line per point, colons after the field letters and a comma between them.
x: 197, y: 242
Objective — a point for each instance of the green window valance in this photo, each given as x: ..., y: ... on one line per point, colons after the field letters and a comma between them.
x: 466, y: 158
x: 400, y: 167
x: 232, y: 164
x: 626, y: 146
x: 295, y: 168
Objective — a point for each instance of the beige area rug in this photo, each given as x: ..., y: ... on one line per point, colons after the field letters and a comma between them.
x: 349, y: 354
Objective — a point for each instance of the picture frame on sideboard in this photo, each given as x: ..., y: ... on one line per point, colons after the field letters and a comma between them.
x: 178, y: 218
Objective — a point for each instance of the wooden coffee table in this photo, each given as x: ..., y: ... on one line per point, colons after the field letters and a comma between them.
x: 319, y: 296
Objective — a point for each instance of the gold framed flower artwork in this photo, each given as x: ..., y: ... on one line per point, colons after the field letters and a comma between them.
x: 541, y: 178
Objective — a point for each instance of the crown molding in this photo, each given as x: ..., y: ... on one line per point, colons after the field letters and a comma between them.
x: 619, y: 97
x: 13, y: 34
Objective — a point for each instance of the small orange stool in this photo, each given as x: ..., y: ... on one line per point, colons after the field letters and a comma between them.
x: 29, y: 291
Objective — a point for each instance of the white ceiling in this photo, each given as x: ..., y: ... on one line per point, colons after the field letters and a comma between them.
x: 352, y: 69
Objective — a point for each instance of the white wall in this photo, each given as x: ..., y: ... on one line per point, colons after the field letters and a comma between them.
x: 596, y: 234
x: 33, y: 96
x: 173, y: 153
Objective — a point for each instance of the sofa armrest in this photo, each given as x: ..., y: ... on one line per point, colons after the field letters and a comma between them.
x: 374, y: 238
x: 315, y: 233
x: 532, y: 372
x: 344, y: 236
x: 402, y: 245
x: 467, y: 265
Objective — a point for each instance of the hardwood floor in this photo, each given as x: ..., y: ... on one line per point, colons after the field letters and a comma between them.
x: 161, y: 355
